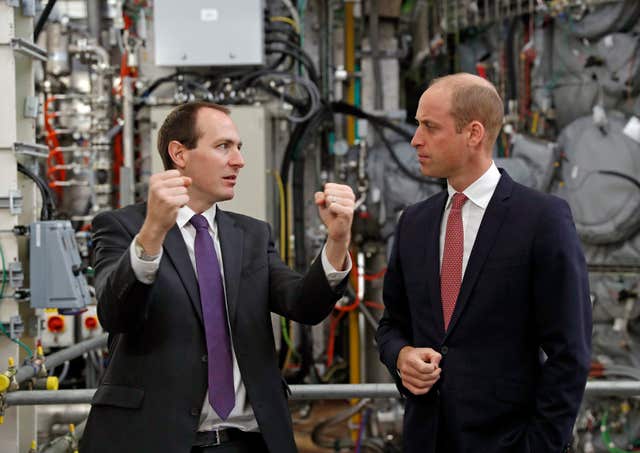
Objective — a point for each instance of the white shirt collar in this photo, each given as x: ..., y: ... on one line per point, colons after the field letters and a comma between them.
x: 481, y: 191
x: 185, y: 213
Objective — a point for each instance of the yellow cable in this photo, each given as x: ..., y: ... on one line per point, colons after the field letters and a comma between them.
x: 283, y: 233
x: 292, y: 250
x: 286, y: 20
x: 287, y: 359
x: 350, y: 66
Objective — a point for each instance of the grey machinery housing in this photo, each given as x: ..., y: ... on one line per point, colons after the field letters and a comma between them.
x: 55, y: 259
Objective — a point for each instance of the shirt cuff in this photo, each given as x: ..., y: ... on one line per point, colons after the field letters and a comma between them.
x: 145, y: 271
x: 334, y: 277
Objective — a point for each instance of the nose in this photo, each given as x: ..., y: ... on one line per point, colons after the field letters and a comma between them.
x: 237, y: 159
x: 416, y: 140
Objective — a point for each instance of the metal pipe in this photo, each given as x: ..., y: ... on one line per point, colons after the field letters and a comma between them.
x: 374, y: 40
x: 99, y: 51
x: 65, y: 443
x: 53, y: 360
x: 128, y: 117
x: 303, y: 392
x: 94, y: 18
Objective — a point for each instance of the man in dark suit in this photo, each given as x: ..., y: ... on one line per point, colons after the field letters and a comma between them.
x: 185, y: 291
x: 487, y: 322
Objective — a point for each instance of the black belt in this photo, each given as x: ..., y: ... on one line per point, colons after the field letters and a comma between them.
x: 220, y: 436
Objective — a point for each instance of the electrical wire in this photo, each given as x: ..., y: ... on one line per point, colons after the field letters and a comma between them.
x: 627, y: 177
x: 337, y: 444
x: 286, y: 20
x: 293, y: 11
x: 378, y: 123
x: 44, y: 16
x: 48, y: 205
x: 2, y: 288
x: 16, y: 341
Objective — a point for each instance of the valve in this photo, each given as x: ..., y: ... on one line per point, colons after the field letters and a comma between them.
x: 42, y: 380
x: 7, y: 379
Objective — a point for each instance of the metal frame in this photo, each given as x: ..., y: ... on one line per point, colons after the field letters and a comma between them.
x: 302, y: 392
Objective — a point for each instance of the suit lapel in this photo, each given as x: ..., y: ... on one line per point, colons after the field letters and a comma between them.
x: 231, y: 243
x: 177, y: 251
x: 433, y: 222
x: 485, y: 240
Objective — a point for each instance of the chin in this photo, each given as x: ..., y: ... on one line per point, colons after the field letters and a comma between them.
x: 226, y: 197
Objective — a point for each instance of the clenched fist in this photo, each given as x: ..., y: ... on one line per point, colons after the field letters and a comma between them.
x: 335, y: 206
x: 419, y: 368
x: 168, y: 192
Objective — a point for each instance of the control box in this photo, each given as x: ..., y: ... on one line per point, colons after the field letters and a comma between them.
x: 57, y: 280
x: 206, y: 33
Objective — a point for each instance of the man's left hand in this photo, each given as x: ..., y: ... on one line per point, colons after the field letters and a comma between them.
x: 335, y: 206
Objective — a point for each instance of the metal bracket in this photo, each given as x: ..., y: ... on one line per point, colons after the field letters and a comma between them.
x: 15, y: 327
x: 31, y: 149
x: 29, y: 49
x: 31, y: 105
x: 16, y: 275
x: 13, y: 202
x: 28, y: 8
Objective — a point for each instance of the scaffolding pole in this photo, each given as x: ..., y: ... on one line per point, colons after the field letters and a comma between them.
x: 302, y: 392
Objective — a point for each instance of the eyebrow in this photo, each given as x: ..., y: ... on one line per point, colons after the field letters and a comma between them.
x: 426, y: 120
x: 229, y: 140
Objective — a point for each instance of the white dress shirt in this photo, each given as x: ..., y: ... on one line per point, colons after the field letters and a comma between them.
x: 242, y: 416
x: 479, y: 194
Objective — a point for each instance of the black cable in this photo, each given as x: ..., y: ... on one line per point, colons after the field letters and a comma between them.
x: 298, y: 214
x: 298, y: 141
x: 298, y: 104
x: 46, y: 12
x: 629, y: 178
x: 48, y: 205
x: 406, y: 170
x: 511, y: 61
x: 299, y: 55
x: 378, y: 123
x: 156, y: 83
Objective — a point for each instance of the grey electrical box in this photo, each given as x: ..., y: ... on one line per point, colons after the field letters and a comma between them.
x: 55, y: 267
x: 208, y: 32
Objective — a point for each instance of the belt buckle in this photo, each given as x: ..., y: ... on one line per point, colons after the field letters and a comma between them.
x: 217, y: 438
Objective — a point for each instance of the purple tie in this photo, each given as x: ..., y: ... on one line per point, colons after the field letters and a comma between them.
x: 221, y: 392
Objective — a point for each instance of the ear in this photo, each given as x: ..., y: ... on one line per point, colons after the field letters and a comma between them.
x: 177, y: 154
x: 475, y: 133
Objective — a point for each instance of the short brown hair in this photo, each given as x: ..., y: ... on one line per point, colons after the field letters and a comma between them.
x: 180, y: 125
x: 473, y: 101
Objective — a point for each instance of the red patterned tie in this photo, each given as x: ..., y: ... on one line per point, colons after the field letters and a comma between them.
x: 451, y: 271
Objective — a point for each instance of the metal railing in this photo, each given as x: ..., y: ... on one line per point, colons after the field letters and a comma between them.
x: 302, y: 392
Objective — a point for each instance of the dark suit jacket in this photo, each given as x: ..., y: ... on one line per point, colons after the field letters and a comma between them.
x: 152, y: 393
x: 525, y: 288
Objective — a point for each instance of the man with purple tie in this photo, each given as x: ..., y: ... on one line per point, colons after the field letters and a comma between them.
x: 185, y: 291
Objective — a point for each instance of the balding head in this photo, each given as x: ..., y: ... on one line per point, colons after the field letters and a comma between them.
x: 473, y: 99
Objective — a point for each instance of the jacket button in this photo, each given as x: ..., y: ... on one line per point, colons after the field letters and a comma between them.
x: 195, y: 412
x: 444, y: 350
x: 204, y: 358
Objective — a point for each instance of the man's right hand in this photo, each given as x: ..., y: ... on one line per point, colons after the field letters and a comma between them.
x: 418, y: 368
x: 168, y: 192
